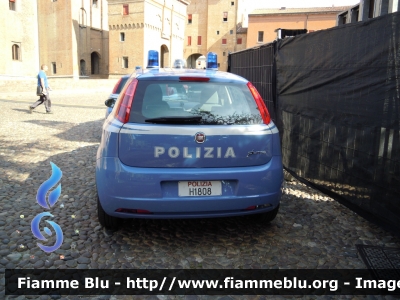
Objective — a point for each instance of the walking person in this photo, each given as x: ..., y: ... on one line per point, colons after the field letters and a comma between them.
x: 43, y: 92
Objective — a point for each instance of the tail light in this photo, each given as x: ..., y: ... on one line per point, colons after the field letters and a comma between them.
x: 253, y: 207
x: 126, y: 210
x: 143, y: 212
x: 116, y: 86
x: 134, y: 211
x: 260, y: 103
x: 123, y: 110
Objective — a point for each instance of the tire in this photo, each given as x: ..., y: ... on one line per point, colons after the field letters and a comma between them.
x: 105, y: 220
x: 267, y: 217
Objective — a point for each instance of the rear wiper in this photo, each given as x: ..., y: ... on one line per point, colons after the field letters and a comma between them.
x: 175, y: 120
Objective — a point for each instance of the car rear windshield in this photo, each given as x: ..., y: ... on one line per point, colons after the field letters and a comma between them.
x: 121, y: 84
x: 215, y: 103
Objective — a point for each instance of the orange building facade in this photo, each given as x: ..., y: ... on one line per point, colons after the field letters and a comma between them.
x: 264, y: 23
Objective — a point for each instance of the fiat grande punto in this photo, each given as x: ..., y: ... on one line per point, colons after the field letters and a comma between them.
x: 185, y: 143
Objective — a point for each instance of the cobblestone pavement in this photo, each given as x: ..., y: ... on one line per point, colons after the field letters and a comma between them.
x: 310, y: 231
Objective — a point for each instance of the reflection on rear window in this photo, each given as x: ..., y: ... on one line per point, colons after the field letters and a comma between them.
x: 217, y: 103
x: 121, y: 85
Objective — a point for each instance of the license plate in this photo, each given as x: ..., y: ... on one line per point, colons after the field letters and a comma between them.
x: 199, y: 188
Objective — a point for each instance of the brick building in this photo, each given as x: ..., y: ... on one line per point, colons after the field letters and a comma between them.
x: 73, y: 37
x: 212, y: 26
x: 264, y: 23
x: 137, y: 26
x: 368, y: 9
x: 98, y: 38
x: 241, y: 37
x: 19, y: 47
x: 70, y: 36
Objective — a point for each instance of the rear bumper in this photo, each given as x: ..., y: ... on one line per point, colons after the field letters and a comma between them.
x: 156, y: 190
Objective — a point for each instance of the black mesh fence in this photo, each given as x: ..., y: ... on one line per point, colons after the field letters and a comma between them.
x: 338, y: 111
x: 257, y: 66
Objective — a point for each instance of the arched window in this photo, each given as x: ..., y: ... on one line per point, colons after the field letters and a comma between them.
x: 15, y: 52
x: 83, y: 67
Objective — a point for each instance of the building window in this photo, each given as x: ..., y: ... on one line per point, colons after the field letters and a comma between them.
x: 122, y: 36
x: 371, y: 8
x: 225, y: 17
x: 199, y: 40
x: 223, y: 53
x: 53, y: 68
x: 354, y: 14
x: 217, y: 32
x: 232, y: 3
x: 189, y: 41
x: 239, y: 41
x: 125, y: 62
x: 261, y: 36
x: 83, y: 67
x: 223, y: 41
x: 231, y: 32
x: 12, y: 4
x: 125, y: 9
x: 95, y: 3
x: 190, y: 19
x: 343, y: 19
x: 15, y: 52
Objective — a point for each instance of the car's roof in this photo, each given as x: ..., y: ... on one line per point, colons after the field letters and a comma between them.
x: 174, y: 74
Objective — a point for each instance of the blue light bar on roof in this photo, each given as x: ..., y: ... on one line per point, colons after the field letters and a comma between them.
x: 212, y: 61
x: 152, y: 62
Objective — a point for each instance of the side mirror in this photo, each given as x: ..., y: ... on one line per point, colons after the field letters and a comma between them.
x: 110, y: 102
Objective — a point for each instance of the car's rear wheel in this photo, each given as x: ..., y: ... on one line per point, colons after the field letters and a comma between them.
x: 266, y: 217
x: 105, y: 220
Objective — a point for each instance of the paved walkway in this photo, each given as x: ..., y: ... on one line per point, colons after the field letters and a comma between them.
x: 74, y: 97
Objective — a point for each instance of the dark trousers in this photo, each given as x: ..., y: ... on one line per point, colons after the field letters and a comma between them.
x: 43, y: 99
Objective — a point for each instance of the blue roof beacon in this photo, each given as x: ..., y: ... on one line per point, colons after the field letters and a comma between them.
x: 212, y: 61
x: 152, y: 62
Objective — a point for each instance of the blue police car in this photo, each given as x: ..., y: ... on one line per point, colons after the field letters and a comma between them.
x: 184, y: 143
x: 110, y: 102
x: 115, y: 93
